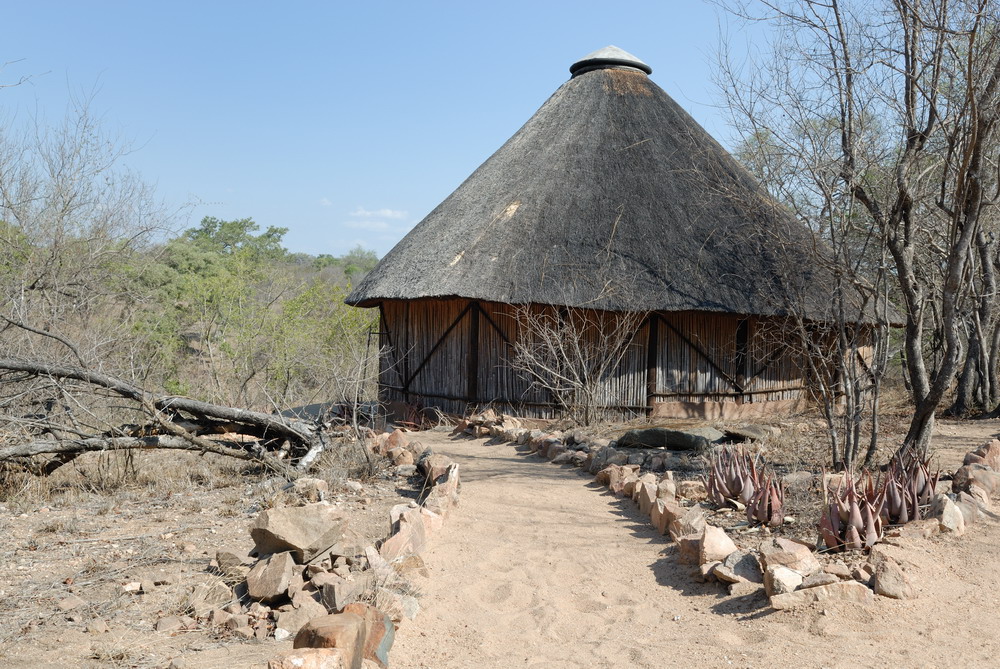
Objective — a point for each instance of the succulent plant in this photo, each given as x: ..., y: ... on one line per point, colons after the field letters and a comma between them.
x: 908, y: 486
x: 852, y: 514
x: 732, y: 477
x: 767, y: 506
x: 737, y: 479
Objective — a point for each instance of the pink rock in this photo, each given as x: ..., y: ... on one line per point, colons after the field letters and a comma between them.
x: 715, y: 545
x: 846, y: 591
x: 309, y: 658
x: 344, y: 631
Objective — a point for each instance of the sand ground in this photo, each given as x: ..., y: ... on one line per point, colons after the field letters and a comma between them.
x: 540, y: 567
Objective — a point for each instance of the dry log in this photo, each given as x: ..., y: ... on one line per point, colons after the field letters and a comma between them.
x: 69, y: 447
x: 185, y: 419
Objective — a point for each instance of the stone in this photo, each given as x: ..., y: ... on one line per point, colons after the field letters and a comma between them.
x: 311, y: 489
x: 844, y: 591
x: 245, y: 632
x: 410, y: 537
x: 747, y: 432
x: 401, y: 456
x: 204, y: 597
x: 618, y: 458
x: 695, y: 439
x: 818, y: 579
x: 706, y: 572
x: 838, y: 569
x: 950, y: 517
x: 976, y: 474
x: 229, y: 560
x: 237, y: 621
x: 219, y: 618
x: 564, y: 458
x: 338, y: 594
x: 715, y: 545
x: 658, y: 517
x: 862, y: 574
x: 269, y: 579
x: 791, y: 554
x: 889, y: 578
x: 579, y: 459
x: 169, y: 624
x: 434, y: 466
x: 406, y: 470
x: 666, y: 489
x: 740, y: 566
x: 688, y: 548
x: 69, y: 603
x: 444, y: 496
x: 779, y: 580
x: 969, y: 507
x: 380, y: 633
x: 692, y: 522
x: 292, y: 621
x: 692, y: 490
x: 309, y: 658
x: 647, y: 498
x: 305, y: 531
x: 345, y: 631
x: 397, y: 439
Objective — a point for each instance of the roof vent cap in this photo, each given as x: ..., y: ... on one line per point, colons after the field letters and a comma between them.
x: 609, y: 56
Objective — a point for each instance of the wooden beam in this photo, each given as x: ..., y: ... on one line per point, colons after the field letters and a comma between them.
x: 652, y: 366
x: 473, y: 363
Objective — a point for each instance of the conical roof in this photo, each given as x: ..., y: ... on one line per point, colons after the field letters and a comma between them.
x: 610, y: 197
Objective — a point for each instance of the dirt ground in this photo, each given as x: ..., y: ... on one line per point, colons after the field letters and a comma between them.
x: 538, y: 567
x: 161, y: 522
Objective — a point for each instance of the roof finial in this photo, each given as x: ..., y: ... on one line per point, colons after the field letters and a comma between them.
x: 609, y: 56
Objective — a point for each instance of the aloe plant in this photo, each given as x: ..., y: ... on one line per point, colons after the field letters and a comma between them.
x: 767, y: 506
x: 852, y: 514
x: 909, y: 485
x: 737, y: 479
x: 732, y: 477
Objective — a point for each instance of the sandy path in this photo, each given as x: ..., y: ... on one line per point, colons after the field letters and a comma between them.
x: 539, y: 567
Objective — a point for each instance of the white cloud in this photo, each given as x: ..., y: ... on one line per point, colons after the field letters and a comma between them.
x: 361, y: 212
x: 325, y: 202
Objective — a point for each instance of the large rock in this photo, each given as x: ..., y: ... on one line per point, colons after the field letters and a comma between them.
x: 780, y: 580
x: 846, y: 591
x: 294, y: 620
x: 204, y: 597
x: 269, y: 579
x: 379, y: 632
x: 410, y: 537
x: 695, y: 439
x: 715, y: 545
x: 305, y: 531
x: 433, y: 466
x: 890, y: 581
x: 692, y: 522
x: 338, y: 592
x: 748, y: 432
x: 979, y: 475
x: 309, y: 658
x: 444, y: 495
x: 739, y: 566
x: 950, y: 517
x: 658, y: 516
x: 346, y: 631
x: 787, y: 553
x: 646, y: 498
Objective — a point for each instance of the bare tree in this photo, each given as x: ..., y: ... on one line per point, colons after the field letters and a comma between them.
x: 572, y: 353
x: 896, y: 105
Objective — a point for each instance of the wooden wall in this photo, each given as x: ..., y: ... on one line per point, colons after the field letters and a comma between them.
x: 453, y: 354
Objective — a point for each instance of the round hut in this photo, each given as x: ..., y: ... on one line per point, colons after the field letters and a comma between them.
x: 611, y: 210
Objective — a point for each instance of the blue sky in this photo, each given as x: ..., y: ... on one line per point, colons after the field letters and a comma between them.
x: 345, y: 122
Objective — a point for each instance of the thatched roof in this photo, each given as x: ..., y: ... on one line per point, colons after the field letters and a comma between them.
x: 611, y: 197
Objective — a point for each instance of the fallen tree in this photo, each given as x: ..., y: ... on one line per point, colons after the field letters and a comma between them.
x: 280, y: 443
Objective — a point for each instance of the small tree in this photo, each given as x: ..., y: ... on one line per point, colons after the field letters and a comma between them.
x: 572, y: 353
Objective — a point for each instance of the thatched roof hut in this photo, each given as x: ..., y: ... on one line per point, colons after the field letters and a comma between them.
x: 610, y: 198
